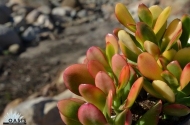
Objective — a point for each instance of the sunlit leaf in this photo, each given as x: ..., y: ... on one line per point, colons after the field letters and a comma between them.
x: 88, y: 114
x: 169, y: 54
x: 124, y: 77
x: 116, y: 30
x: 124, y: 118
x: 123, y: 15
x: 94, y: 67
x: 152, y: 48
x: 171, y: 35
x: 111, y: 38
x: 162, y: 88
x: 93, y: 95
x: 108, y: 105
x: 162, y: 19
x: 148, y: 66
x: 104, y: 82
x: 155, y: 11
x: 109, y: 51
x: 73, y: 77
x: 135, y: 89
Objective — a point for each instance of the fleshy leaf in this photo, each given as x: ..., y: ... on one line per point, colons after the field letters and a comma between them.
x: 128, y: 42
x: 184, y: 101
x: 149, y: 67
x: 171, y: 35
x: 88, y: 114
x: 69, y: 121
x: 170, y: 79
x: 183, y: 56
x: 104, y: 82
x: 124, y: 77
x: 124, y: 118
x: 116, y: 30
x: 123, y: 15
x: 155, y: 10
x: 109, y: 51
x: 94, y: 53
x: 68, y: 108
x: 75, y: 75
x: 151, y: 117
x: 176, y: 110
x: 108, y: 105
x: 175, y: 69
x: 162, y: 62
x: 162, y: 19
x: 145, y: 15
x: 186, y: 30
x: 185, y: 76
x: 135, y: 89
x: 93, y: 95
x: 111, y: 38
x: 149, y: 88
x: 152, y: 48
x: 118, y: 62
x: 144, y: 32
x: 162, y: 88
x: 94, y: 67
x: 169, y: 54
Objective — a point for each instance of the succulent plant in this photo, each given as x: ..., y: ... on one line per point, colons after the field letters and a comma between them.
x: 153, y: 56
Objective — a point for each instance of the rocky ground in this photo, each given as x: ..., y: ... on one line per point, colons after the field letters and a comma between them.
x: 46, y: 37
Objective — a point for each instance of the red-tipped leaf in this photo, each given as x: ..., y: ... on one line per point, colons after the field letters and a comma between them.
x: 185, y: 76
x: 176, y: 110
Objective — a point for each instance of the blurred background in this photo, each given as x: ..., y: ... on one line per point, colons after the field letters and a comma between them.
x: 40, y: 38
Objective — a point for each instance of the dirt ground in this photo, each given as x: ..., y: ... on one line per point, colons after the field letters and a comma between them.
x: 27, y: 73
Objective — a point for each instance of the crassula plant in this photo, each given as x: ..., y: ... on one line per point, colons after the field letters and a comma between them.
x: 148, y: 55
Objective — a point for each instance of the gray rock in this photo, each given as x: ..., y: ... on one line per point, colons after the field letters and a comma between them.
x: 19, y: 21
x: 71, y: 3
x: 32, y: 16
x: 5, y: 39
x: 82, y: 13
x: 61, y: 11
x: 14, y: 48
x: 40, y: 111
x: 31, y: 34
x: 44, y: 9
x: 44, y: 21
x: 4, y: 14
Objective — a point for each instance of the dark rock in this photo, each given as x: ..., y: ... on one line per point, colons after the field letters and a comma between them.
x: 31, y: 34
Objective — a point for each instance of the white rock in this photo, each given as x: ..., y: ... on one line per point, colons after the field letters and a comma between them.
x: 14, y: 48
x: 32, y: 16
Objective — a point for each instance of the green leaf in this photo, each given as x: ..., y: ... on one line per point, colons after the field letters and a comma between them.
x: 135, y: 89
x: 144, y: 32
x: 104, y: 82
x: 75, y: 75
x: 169, y: 54
x: 183, y: 56
x: 162, y: 19
x: 88, y: 114
x: 186, y: 30
x: 148, y: 66
x: 162, y: 88
x: 185, y: 76
x: 171, y: 35
x: 69, y: 108
x: 185, y: 101
x: 170, y: 79
x: 109, y: 51
x: 123, y: 15
x: 108, y: 105
x: 69, y: 121
x: 176, y: 110
x: 93, y: 95
x: 175, y: 69
x: 145, y: 15
x: 124, y: 118
x: 151, y: 116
